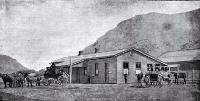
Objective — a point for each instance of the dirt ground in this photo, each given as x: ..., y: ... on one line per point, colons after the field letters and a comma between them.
x: 103, y: 92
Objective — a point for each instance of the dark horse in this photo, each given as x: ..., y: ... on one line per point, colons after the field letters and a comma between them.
x: 7, y: 79
x: 183, y: 76
x: 180, y: 75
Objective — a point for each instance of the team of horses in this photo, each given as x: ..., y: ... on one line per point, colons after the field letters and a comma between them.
x: 13, y: 80
x: 17, y: 80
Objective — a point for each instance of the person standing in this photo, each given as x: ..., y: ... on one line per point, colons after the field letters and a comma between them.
x: 88, y: 78
x: 139, y: 79
x: 38, y: 81
x: 125, y: 78
x: 126, y: 75
x: 176, y: 78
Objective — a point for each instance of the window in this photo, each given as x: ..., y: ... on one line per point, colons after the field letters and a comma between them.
x: 138, y: 64
x: 163, y: 68
x: 157, y: 67
x: 173, y: 69
x: 125, y: 65
x: 149, y: 67
x: 96, y: 69
x: 166, y: 68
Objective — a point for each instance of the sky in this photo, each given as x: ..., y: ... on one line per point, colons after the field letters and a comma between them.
x: 37, y: 32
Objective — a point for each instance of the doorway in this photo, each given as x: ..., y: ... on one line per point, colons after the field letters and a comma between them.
x: 106, y: 73
x: 76, y: 74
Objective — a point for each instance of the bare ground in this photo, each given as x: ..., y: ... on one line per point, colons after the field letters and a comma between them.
x: 106, y: 92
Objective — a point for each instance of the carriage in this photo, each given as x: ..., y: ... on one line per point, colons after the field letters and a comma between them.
x: 158, y: 75
x: 153, y: 79
x: 54, y: 75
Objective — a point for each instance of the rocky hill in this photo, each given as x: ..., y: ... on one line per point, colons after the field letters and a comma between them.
x: 9, y: 65
x: 153, y: 33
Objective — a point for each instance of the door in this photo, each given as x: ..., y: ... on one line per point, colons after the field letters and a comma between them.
x: 75, y: 75
x: 106, y: 73
x: 78, y: 75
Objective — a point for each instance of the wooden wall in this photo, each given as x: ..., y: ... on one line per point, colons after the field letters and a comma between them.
x: 101, y: 65
x: 132, y: 57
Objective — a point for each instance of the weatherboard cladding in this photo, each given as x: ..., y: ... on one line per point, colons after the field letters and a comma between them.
x: 65, y: 61
x: 131, y: 58
x: 177, y: 56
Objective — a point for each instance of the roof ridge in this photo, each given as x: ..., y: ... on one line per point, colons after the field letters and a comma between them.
x: 177, y: 51
x: 107, y: 51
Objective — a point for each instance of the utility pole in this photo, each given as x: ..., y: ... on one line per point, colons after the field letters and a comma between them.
x: 70, y: 71
x: 192, y: 74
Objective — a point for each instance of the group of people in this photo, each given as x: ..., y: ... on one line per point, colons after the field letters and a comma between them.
x: 158, y: 78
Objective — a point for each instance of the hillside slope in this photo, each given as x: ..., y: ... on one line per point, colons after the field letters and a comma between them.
x: 9, y: 65
x: 153, y: 33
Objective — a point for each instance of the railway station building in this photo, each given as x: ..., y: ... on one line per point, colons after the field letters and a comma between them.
x: 108, y: 67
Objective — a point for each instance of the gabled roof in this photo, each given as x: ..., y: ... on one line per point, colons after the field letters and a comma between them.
x: 178, y: 56
x: 77, y: 59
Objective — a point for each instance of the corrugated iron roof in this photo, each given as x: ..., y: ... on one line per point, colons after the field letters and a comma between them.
x: 77, y: 59
x: 177, y: 56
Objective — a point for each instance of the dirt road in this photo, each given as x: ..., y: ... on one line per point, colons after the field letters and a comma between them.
x: 107, y: 92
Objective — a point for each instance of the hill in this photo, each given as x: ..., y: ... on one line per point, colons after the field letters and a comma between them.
x: 9, y: 65
x: 153, y: 33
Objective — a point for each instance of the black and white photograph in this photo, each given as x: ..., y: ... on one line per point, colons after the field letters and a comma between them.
x: 99, y: 50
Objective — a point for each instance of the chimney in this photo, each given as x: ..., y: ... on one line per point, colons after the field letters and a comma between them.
x: 96, y: 50
x: 80, y: 53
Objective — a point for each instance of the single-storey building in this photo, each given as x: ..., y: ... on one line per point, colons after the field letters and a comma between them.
x: 187, y: 61
x: 108, y: 67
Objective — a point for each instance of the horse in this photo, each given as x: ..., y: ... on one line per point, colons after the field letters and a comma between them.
x: 19, y: 80
x: 180, y: 75
x: 183, y: 76
x: 30, y: 79
x: 7, y: 79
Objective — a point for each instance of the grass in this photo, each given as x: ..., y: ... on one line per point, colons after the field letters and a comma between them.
x: 108, y: 92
